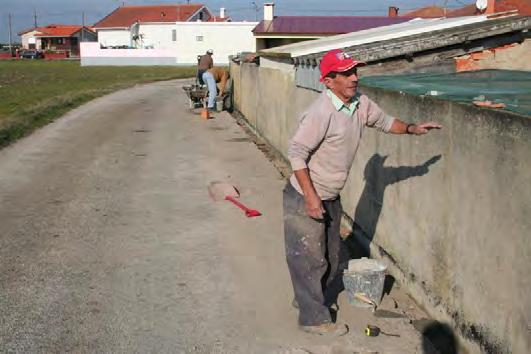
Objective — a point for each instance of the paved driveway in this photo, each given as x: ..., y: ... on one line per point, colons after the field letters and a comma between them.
x: 109, y: 241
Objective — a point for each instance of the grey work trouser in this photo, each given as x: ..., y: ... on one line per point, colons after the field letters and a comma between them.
x: 314, y: 255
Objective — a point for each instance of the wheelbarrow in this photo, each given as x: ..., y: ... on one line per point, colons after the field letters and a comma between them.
x: 196, y: 95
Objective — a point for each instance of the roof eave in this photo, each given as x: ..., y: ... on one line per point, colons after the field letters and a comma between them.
x: 378, y: 51
x: 112, y: 28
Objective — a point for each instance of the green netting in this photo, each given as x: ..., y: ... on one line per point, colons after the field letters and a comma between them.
x: 513, y: 88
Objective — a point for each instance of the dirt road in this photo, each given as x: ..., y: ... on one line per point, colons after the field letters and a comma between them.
x: 109, y: 241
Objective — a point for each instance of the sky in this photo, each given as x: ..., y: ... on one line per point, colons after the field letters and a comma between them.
x: 71, y: 11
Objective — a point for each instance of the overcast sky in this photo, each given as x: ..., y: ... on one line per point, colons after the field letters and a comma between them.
x: 70, y: 11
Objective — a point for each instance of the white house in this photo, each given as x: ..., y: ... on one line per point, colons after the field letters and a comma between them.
x: 190, y: 39
x: 29, y: 39
x: 186, y: 31
x: 115, y: 28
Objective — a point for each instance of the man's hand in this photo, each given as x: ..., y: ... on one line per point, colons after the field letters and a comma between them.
x: 423, y: 128
x: 314, y: 206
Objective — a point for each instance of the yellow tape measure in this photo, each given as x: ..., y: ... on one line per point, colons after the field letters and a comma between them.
x: 372, y: 331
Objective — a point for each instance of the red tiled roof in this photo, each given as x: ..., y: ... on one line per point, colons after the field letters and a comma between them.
x: 58, y: 30
x: 427, y: 12
x: 323, y: 24
x: 125, y: 16
x: 523, y: 7
x: 219, y: 19
x: 26, y: 30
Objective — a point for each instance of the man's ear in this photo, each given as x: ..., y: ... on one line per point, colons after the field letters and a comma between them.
x: 328, y: 82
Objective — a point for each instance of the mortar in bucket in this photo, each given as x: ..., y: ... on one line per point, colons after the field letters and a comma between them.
x: 364, y: 279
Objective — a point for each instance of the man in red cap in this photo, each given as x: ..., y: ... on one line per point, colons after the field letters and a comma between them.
x: 321, y: 154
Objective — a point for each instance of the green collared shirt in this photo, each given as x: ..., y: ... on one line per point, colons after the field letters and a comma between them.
x: 349, y: 109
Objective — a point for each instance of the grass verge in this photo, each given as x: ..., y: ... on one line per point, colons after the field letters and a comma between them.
x: 34, y: 93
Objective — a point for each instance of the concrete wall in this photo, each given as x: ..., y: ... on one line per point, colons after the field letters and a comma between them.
x: 109, y: 37
x: 224, y: 38
x: 448, y: 212
x: 510, y: 57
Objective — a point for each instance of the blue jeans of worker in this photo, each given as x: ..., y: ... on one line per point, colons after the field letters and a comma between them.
x: 315, y: 255
x: 212, y: 89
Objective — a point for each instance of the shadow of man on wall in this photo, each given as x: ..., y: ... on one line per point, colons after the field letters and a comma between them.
x: 377, y: 177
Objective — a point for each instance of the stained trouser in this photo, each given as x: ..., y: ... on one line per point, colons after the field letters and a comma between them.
x: 200, y: 76
x: 315, y: 256
x: 212, y: 89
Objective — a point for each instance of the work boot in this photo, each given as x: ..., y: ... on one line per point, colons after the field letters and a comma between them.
x: 327, y: 329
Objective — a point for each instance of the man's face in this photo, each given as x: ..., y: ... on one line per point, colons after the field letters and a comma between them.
x: 344, y: 85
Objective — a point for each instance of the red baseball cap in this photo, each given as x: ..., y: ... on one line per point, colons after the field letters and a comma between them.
x: 337, y: 60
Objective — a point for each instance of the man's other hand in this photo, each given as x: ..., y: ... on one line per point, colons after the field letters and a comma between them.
x: 314, y: 206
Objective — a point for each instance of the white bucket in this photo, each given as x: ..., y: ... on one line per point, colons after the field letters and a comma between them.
x: 366, y: 277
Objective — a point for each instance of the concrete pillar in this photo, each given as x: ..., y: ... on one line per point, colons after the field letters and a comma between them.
x: 222, y: 12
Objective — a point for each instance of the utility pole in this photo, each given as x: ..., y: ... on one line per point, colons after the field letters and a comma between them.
x: 82, y: 25
x: 255, y: 10
x: 35, y: 17
x: 10, y: 39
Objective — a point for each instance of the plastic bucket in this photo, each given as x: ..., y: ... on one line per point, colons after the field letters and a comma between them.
x: 219, y: 105
x: 364, y: 276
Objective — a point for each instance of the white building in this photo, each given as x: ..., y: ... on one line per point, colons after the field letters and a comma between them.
x: 190, y: 39
x: 184, y: 30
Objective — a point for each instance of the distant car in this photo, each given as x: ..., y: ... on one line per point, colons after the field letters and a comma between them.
x: 31, y: 54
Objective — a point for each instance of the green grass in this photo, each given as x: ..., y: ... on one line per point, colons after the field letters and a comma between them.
x: 34, y: 93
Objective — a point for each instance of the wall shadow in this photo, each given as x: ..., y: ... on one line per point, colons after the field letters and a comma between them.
x: 377, y: 177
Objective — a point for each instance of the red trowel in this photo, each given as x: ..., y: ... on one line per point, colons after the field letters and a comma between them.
x: 226, y: 191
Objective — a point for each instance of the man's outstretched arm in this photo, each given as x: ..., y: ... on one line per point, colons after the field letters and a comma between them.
x: 400, y: 127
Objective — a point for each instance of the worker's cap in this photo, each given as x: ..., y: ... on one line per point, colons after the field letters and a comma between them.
x: 210, y: 51
x: 338, y: 61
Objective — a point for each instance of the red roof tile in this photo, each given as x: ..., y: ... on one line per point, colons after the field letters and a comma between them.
x: 125, y: 16
x: 219, y: 19
x: 323, y: 24
x: 523, y: 7
x: 58, y: 30
x: 427, y: 12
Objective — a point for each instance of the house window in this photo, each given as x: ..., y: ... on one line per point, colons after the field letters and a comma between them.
x: 201, y: 16
x: 174, y: 35
x: 199, y: 38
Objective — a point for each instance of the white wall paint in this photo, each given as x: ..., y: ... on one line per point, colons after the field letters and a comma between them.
x: 25, y: 38
x: 157, y: 35
x: 224, y: 38
x: 108, y: 37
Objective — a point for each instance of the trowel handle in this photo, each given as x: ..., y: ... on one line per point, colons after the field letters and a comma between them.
x: 248, y: 212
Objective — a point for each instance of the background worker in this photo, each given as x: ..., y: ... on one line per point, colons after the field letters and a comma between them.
x: 205, y: 62
x: 321, y: 154
x: 211, y: 77
x: 221, y: 76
